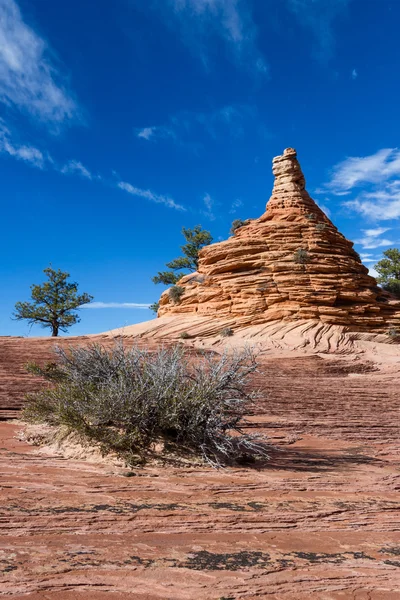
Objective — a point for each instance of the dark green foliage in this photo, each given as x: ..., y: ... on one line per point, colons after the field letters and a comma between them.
x: 184, y: 335
x: 238, y: 223
x: 166, y: 277
x: 128, y: 400
x: 175, y: 293
x: 54, y: 303
x: 196, y: 239
x: 389, y: 271
x: 227, y: 332
x: 301, y: 256
x: 154, y: 307
x: 393, y: 286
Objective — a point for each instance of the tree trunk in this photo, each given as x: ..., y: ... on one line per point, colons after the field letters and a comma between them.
x: 54, y: 327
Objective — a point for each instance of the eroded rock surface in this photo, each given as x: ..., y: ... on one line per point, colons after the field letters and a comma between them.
x: 292, y: 263
x: 320, y: 520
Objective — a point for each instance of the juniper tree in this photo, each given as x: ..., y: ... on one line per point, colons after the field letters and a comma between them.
x: 196, y: 239
x: 54, y: 303
x: 389, y: 271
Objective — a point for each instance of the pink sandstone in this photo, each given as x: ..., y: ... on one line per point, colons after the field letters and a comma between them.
x: 255, y: 276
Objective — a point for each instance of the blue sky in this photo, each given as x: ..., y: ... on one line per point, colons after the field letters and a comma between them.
x: 123, y: 122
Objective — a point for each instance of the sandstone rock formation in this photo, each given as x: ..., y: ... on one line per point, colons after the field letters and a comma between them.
x: 292, y: 263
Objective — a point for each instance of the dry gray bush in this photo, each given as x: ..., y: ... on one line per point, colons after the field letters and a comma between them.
x: 127, y: 400
x: 227, y: 332
x: 175, y: 293
x: 301, y: 256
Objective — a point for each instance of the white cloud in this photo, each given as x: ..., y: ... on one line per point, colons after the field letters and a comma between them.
x: 146, y: 133
x: 370, y: 241
x: 209, y: 204
x: 358, y: 170
x: 230, y: 120
x: 319, y: 16
x: 115, y: 305
x: 354, y: 74
x: 235, y: 205
x: 378, y: 178
x: 149, y: 195
x: 73, y: 167
x: 366, y: 257
x: 26, y: 153
x: 38, y: 159
x: 29, y: 79
x: 229, y: 20
x: 373, y: 273
x: 377, y: 231
x: 381, y: 205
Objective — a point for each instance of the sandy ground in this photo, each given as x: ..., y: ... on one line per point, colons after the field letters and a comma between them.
x: 320, y: 520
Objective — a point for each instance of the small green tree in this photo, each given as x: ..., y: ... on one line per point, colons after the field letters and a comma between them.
x: 154, y: 307
x: 196, y: 239
x: 54, y: 303
x: 389, y: 271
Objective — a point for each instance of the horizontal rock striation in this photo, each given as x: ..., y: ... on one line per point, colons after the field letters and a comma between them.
x: 292, y: 263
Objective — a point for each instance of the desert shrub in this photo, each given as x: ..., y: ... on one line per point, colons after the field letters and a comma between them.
x: 227, y: 332
x: 320, y: 226
x: 238, y: 223
x: 310, y: 216
x: 175, y: 293
x: 128, y: 400
x: 393, y: 333
x: 301, y: 256
x: 184, y: 335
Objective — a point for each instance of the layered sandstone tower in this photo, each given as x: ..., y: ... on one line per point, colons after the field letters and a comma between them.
x: 292, y: 263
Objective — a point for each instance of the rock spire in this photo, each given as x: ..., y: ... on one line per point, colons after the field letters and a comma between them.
x: 292, y: 263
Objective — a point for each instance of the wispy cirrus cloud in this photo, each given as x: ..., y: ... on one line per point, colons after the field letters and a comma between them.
x: 199, y: 21
x: 73, y: 167
x: 97, y: 305
x: 376, y: 181
x: 30, y: 81
x: 209, y: 204
x: 149, y: 195
x: 230, y: 120
x: 25, y: 152
x: 11, y: 145
x: 319, y: 16
x: 237, y: 203
x: 371, y: 238
x: 34, y: 157
x: 357, y: 170
x: 367, y: 257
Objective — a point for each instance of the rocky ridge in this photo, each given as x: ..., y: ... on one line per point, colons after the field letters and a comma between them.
x: 292, y: 263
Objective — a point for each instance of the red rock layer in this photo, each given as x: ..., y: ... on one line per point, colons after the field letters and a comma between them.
x: 291, y: 263
x: 320, y: 520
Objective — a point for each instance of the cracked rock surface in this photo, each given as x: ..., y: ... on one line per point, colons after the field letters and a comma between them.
x: 320, y: 520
